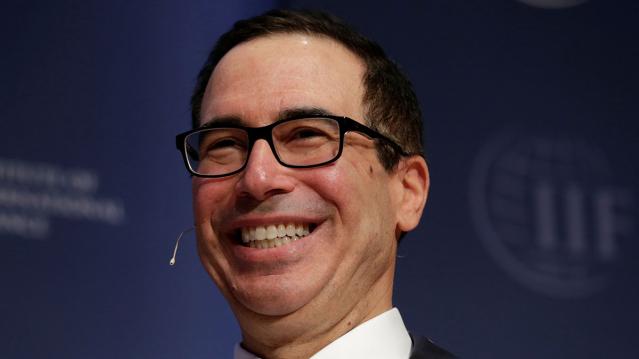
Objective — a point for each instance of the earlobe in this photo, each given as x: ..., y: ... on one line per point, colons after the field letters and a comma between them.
x: 415, y: 182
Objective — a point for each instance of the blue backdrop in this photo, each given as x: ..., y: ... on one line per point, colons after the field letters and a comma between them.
x: 526, y: 247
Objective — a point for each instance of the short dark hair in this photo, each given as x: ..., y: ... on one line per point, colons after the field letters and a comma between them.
x: 391, y: 106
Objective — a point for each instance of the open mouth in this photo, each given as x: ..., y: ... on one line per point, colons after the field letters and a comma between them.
x: 274, y: 235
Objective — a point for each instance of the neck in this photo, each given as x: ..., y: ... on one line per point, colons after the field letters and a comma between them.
x: 309, y: 329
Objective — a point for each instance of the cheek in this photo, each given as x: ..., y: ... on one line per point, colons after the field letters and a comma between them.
x: 350, y: 186
x: 334, y: 184
x: 207, y: 196
x: 200, y: 198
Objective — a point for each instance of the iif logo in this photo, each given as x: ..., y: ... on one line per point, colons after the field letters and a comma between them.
x: 551, y: 213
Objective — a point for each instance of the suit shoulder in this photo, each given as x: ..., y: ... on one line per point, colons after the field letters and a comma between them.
x: 424, y: 348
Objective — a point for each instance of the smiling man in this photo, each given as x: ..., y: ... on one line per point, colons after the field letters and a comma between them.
x: 307, y: 169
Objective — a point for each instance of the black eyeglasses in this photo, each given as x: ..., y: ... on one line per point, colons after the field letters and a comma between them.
x: 219, y: 150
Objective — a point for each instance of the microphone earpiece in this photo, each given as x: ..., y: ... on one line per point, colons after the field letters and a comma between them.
x: 177, y: 243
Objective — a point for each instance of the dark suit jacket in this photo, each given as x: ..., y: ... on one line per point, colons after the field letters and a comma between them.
x: 423, y: 348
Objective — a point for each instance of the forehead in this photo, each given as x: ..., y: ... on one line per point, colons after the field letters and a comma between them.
x: 263, y: 77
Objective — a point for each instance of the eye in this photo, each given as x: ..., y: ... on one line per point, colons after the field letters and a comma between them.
x: 221, y: 139
x: 224, y: 148
x: 305, y: 133
x: 306, y: 137
x: 224, y: 143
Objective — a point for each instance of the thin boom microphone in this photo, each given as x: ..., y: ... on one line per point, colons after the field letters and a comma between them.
x: 177, y: 243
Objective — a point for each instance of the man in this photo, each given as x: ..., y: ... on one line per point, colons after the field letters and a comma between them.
x: 307, y: 169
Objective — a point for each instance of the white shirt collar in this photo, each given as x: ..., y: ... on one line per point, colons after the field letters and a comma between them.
x: 383, y: 337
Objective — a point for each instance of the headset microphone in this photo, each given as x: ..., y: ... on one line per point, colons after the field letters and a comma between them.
x: 177, y: 243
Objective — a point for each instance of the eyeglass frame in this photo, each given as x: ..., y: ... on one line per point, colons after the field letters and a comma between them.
x: 345, y: 124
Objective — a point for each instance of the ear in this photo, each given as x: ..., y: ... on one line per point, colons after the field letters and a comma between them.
x: 413, y: 184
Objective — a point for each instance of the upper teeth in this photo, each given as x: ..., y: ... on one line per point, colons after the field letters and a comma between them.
x: 273, y: 231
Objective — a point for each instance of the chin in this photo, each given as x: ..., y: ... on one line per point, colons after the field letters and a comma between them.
x: 276, y: 296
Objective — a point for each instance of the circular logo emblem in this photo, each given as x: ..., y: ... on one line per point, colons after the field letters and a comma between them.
x: 548, y: 212
x: 553, y: 4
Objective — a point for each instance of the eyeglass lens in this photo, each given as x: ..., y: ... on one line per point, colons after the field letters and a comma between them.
x: 299, y: 142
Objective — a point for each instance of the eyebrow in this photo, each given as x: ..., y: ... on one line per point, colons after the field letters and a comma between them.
x: 223, y: 121
x: 303, y: 111
x: 282, y: 115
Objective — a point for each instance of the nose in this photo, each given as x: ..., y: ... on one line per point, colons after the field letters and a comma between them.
x: 263, y: 175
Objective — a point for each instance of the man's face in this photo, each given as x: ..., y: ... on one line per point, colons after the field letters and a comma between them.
x: 348, y: 206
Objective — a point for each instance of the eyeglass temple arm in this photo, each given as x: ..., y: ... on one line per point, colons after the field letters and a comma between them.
x: 370, y: 133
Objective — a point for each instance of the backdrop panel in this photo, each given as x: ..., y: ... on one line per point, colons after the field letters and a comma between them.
x: 92, y: 190
x: 526, y: 246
